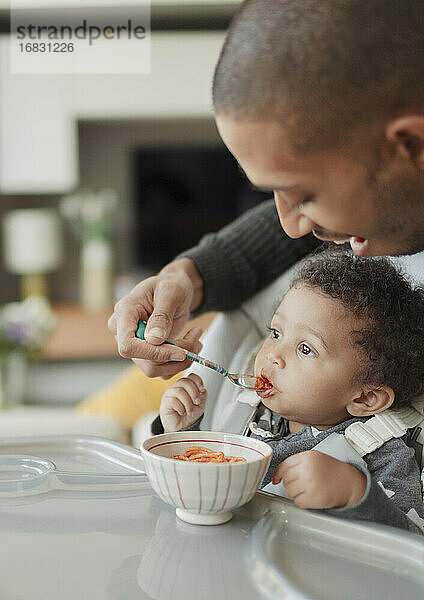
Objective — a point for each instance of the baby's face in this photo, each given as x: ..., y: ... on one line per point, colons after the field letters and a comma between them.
x: 310, y: 359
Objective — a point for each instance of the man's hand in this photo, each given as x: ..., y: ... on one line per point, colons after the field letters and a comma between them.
x: 315, y: 480
x: 165, y: 302
x: 183, y: 403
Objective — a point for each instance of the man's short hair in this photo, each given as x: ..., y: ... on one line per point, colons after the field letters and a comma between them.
x: 323, y: 68
x: 390, y: 340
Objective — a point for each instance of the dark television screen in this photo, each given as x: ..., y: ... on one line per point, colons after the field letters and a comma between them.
x: 181, y: 194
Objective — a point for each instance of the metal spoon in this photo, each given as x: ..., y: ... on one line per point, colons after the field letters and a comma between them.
x: 243, y: 380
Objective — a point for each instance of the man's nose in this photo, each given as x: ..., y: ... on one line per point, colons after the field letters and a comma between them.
x: 292, y: 220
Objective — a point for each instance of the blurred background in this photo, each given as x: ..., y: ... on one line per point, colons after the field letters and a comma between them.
x: 103, y: 180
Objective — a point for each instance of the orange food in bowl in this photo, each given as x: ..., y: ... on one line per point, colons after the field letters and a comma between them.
x: 204, y: 455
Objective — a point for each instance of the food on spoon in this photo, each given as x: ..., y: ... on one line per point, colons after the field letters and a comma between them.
x: 204, y: 455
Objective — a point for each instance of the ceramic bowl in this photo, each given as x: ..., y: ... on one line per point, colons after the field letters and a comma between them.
x: 205, y: 493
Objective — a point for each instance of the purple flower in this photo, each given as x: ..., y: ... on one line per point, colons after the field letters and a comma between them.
x: 17, y: 332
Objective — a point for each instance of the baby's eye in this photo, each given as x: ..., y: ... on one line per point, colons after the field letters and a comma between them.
x: 305, y: 350
x: 275, y: 334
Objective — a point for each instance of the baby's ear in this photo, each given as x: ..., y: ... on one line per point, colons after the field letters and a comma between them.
x: 371, y: 402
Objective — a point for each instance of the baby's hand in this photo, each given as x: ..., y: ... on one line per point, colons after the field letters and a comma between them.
x: 315, y: 480
x: 183, y: 403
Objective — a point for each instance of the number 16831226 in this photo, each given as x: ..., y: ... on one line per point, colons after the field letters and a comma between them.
x: 46, y: 47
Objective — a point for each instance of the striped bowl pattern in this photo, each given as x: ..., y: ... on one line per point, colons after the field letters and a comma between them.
x: 204, y: 489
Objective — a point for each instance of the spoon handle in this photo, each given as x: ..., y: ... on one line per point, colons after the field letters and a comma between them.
x: 206, y: 363
x: 190, y: 355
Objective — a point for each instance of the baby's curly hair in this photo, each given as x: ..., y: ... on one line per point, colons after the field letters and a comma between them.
x: 376, y: 292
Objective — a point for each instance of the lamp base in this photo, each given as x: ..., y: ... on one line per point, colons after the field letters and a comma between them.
x: 34, y: 284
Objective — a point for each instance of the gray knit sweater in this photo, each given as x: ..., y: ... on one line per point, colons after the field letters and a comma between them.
x: 244, y: 257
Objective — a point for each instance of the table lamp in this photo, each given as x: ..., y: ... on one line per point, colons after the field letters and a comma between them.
x: 32, y: 247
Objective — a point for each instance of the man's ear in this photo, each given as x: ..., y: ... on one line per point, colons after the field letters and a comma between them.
x: 407, y: 133
x: 371, y: 402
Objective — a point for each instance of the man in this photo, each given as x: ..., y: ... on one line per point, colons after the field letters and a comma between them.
x: 323, y: 104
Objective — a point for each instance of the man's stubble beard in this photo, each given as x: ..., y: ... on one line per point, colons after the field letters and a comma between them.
x: 400, y: 205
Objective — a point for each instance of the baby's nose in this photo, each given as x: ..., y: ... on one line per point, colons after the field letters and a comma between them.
x: 277, y: 359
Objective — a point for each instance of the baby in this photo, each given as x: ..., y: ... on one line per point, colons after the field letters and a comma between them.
x: 346, y: 343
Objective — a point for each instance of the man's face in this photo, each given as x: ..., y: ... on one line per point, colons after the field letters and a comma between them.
x: 337, y: 197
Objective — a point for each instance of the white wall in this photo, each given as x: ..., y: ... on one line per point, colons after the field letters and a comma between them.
x: 39, y: 113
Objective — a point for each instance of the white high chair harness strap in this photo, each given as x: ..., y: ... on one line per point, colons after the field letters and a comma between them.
x: 367, y: 437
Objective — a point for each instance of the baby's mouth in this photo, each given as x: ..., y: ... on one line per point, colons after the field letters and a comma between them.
x: 264, y: 387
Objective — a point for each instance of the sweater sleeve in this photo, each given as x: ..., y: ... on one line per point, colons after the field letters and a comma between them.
x: 244, y: 257
x: 156, y: 427
x: 393, y: 495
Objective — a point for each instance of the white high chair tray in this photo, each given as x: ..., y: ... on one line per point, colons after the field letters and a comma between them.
x: 90, y: 526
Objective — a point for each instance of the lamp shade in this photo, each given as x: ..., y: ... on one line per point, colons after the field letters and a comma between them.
x: 32, y: 241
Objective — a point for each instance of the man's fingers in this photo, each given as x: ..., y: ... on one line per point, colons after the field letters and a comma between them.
x: 193, y: 337
x: 191, y: 340
x: 125, y: 318
x: 169, y: 304
x: 159, y: 326
x: 155, y: 354
x: 193, y: 334
x: 164, y: 302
